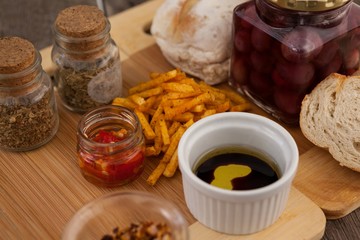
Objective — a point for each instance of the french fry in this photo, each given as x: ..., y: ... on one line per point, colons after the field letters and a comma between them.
x: 184, y: 117
x: 173, y: 144
x: 164, y: 148
x: 176, y: 102
x: 174, y: 127
x: 158, y: 101
x: 158, y: 141
x: 233, y: 96
x: 177, y: 87
x: 124, y: 102
x: 137, y: 99
x: 216, y: 92
x: 164, y: 131
x: 208, y: 113
x: 172, y: 165
x: 203, y: 98
x: 191, y: 82
x: 198, y: 108
x: 153, y: 82
x: 223, y: 107
x: 150, y: 151
x: 148, y: 131
x: 189, y: 123
x: 178, y: 95
x: 153, y: 75
x: 179, y: 76
x: 155, y: 175
x: 169, y: 103
x: 150, y: 92
x: 147, y: 106
x: 156, y: 116
x: 241, y: 107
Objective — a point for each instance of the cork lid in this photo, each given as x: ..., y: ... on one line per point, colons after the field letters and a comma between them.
x: 80, y: 21
x: 16, y: 54
x: 309, y: 5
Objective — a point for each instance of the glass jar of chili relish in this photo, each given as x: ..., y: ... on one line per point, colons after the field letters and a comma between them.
x: 283, y: 48
x: 110, y: 146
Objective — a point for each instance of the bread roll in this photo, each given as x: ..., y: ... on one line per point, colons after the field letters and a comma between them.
x: 330, y: 118
x: 195, y: 36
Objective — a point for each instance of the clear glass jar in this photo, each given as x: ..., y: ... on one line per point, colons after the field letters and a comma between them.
x: 283, y: 49
x: 105, y: 158
x: 28, y: 111
x: 122, y: 210
x: 88, y: 61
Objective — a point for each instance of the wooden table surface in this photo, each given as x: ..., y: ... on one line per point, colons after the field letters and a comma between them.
x: 131, y: 39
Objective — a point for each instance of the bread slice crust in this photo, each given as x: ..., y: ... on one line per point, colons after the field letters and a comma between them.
x: 330, y: 118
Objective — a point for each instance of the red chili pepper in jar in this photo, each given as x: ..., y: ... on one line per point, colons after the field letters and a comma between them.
x: 120, y: 168
x: 110, y: 136
x: 112, y: 168
x: 115, y: 154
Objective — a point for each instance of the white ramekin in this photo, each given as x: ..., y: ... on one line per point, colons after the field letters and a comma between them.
x: 237, y: 212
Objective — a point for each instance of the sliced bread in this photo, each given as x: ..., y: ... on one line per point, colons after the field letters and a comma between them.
x: 330, y: 118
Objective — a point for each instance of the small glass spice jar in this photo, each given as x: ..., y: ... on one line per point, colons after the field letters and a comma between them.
x: 110, y: 146
x: 282, y: 49
x: 88, y: 60
x: 28, y: 111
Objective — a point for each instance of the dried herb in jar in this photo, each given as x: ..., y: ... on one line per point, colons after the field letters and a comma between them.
x: 89, y: 88
x: 88, y: 60
x: 24, y: 126
x: 28, y: 112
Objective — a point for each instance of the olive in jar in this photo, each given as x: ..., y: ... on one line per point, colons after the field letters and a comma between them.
x: 281, y: 51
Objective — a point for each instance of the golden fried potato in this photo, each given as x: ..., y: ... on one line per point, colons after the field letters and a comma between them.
x: 169, y: 103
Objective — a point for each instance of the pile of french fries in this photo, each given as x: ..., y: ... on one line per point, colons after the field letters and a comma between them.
x: 166, y: 105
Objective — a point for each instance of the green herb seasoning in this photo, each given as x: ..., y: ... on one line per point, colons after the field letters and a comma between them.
x: 88, y: 61
x: 88, y: 88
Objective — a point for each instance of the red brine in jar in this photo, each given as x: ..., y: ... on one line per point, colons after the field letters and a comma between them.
x: 111, y: 148
x: 280, y: 54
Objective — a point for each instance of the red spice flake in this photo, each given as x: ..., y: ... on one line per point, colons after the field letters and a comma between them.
x: 142, y: 231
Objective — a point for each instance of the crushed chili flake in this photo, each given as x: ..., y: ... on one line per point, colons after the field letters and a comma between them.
x: 104, y: 136
x: 141, y: 231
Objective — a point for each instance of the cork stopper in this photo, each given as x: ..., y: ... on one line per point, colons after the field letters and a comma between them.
x: 83, y: 31
x: 80, y: 21
x: 16, y: 54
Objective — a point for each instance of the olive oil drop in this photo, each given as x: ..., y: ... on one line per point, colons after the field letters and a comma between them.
x: 236, y: 168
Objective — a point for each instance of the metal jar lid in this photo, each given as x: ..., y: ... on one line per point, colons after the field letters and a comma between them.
x: 308, y: 5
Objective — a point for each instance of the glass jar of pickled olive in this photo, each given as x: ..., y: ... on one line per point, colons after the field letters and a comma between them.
x: 88, y: 62
x: 110, y: 146
x: 282, y: 49
x: 28, y: 111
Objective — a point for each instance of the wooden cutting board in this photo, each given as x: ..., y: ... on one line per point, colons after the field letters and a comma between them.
x: 42, y: 189
x: 332, y: 187
x: 299, y: 209
x: 297, y: 222
x: 335, y: 189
